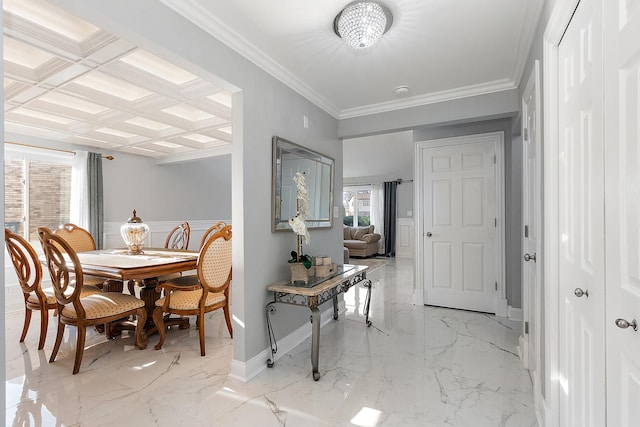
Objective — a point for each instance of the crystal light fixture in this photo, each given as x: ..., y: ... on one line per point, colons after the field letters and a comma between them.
x: 361, y: 24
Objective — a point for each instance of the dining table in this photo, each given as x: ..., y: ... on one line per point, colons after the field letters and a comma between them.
x: 118, y: 266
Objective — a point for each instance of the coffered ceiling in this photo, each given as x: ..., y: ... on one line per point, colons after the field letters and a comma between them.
x: 67, y: 80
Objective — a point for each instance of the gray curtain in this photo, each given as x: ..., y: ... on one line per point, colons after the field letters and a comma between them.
x: 390, y: 192
x: 96, y: 203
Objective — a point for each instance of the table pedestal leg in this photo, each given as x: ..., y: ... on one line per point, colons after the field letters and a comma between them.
x: 315, y: 341
x: 335, y: 307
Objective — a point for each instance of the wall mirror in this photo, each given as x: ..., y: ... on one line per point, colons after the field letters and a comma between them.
x: 289, y: 158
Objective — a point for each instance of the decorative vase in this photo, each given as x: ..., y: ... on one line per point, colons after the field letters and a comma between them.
x: 134, y: 232
x: 299, y: 272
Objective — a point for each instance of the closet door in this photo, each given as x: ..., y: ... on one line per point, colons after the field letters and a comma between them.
x: 622, y: 132
x: 581, y: 220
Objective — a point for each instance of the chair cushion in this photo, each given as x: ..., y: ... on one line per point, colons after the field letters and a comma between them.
x: 104, y: 304
x: 190, y: 300
x: 92, y: 280
x: 51, y: 296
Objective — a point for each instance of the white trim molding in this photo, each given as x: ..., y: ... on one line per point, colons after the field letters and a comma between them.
x: 404, y: 238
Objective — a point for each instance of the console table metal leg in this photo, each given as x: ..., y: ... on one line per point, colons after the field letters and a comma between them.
x: 367, y: 284
x: 315, y: 341
x: 273, y: 345
x: 335, y: 307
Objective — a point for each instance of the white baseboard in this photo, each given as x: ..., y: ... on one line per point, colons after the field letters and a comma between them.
x: 523, y: 350
x: 515, y: 314
x: 540, y: 405
x: 244, y: 371
x: 502, y: 307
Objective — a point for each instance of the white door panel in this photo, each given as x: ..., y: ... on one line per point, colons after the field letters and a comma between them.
x: 581, y: 220
x: 622, y: 195
x: 530, y: 218
x: 459, y: 224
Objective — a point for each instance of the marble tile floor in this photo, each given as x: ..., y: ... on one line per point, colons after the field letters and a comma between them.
x: 416, y: 366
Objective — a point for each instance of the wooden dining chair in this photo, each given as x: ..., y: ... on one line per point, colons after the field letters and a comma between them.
x: 29, y: 271
x: 103, y: 308
x: 81, y: 241
x: 201, y: 293
x: 178, y: 237
x: 217, y: 226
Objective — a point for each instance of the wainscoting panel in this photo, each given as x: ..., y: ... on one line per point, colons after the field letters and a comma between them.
x: 404, y: 238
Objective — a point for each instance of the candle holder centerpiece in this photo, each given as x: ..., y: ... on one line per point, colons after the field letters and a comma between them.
x: 134, y: 232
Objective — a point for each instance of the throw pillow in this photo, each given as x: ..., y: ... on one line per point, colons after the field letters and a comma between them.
x: 360, y: 232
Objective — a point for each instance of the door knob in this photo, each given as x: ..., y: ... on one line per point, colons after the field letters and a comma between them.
x: 429, y: 234
x: 623, y: 324
x: 528, y: 257
x: 579, y: 293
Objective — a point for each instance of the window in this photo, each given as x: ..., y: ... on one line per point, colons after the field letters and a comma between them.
x: 357, y: 206
x: 37, y: 188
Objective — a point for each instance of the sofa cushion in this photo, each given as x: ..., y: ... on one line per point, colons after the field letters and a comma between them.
x: 373, y: 237
x: 346, y: 232
x: 357, y: 233
x: 355, y: 244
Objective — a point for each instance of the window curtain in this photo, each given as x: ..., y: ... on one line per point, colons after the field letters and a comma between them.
x: 377, y: 213
x: 79, y: 214
x: 87, y: 206
x: 390, y: 192
x: 95, y: 198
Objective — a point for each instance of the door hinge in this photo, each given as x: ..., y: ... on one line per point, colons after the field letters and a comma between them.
x: 526, y: 231
x: 494, y: 159
x: 495, y: 222
x: 526, y: 327
x: 526, y: 134
x: 496, y: 286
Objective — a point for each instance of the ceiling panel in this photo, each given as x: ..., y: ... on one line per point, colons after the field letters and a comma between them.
x: 69, y: 80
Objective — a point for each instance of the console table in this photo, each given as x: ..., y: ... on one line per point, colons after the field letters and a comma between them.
x: 312, y: 295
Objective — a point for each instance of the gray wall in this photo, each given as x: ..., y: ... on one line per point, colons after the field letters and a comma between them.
x: 263, y: 107
x: 198, y: 189
x: 513, y: 191
x: 463, y: 110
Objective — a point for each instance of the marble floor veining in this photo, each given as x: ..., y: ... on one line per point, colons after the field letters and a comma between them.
x: 416, y: 366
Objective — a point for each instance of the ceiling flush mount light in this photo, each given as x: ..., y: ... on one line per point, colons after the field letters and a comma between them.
x: 361, y: 24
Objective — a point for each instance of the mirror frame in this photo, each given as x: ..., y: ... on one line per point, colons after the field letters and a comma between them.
x: 278, y: 146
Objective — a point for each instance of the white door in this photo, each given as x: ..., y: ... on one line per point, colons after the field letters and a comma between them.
x: 530, y: 218
x: 459, y: 225
x: 622, y: 211
x: 581, y: 220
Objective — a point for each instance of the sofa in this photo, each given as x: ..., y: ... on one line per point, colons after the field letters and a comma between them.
x: 361, y: 241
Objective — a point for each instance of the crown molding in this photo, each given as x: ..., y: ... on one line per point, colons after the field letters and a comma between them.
x: 431, y: 98
x: 204, y: 19
x: 533, y: 13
